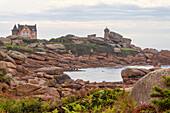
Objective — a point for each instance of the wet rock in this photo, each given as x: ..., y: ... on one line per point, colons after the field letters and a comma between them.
x: 155, y: 68
x: 143, y: 88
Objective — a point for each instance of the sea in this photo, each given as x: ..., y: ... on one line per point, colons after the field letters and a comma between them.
x: 107, y: 74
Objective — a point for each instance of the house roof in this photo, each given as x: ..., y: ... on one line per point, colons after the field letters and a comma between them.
x: 14, y: 28
x: 32, y: 28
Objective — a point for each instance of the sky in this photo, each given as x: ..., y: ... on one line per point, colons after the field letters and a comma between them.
x: 146, y: 22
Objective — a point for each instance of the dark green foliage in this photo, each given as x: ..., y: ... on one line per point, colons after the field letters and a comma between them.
x: 163, y: 103
x: 97, y: 101
x: 4, y: 79
x: 145, y: 109
x: 94, y: 101
x: 86, y: 49
x: 60, y: 40
x: 26, y: 106
x: 99, y: 43
x: 29, y: 41
x: 166, y: 81
x: 128, y: 51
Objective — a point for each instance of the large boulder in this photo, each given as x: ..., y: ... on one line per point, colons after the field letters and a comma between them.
x: 3, y: 69
x: 150, y: 50
x: 115, y: 37
x: 5, y: 40
x: 61, y: 78
x: 132, y: 75
x: 55, y: 46
x: 29, y: 89
x: 164, y: 57
x: 127, y: 41
x: 143, y: 88
x: 13, y: 37
x: 17, y: 42
x: 51, y: 70
x: 5, y: 57
x: 117, y: 50
x: 37, y: 57
x: 17, y: 56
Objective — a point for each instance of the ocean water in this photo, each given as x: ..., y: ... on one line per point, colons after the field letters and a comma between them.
x: 107, y: 74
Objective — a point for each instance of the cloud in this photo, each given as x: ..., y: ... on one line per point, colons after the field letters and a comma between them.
x: 93, y: 13
x: 39, y: 6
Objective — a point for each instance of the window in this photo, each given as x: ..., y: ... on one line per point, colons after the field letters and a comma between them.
x: 33, y: 33
x: 23, y: 33
x: 25, y: 29
x: 27, y: 33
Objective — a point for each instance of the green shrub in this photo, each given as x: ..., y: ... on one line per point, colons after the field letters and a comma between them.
x: 26, y: 106
x: 163, y: 103
x: 145, y: 109
x: 98, y: 100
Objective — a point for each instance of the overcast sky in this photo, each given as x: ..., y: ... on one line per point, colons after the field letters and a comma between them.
x: 146, y: 22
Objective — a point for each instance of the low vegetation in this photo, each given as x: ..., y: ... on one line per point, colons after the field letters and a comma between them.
x: 163, y: 103
x: 92, y: 101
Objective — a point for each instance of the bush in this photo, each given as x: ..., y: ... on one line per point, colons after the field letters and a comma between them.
x: 99, y: 100
x: 26, y: 106
x: 163, y: 103
x: 145, y: 109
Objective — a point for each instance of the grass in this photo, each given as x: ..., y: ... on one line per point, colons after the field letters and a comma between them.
x: 129, y: 49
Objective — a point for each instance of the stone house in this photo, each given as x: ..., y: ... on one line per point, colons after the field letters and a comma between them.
x: 27, y: 31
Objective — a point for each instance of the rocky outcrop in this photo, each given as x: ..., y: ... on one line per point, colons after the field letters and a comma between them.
x: 61, y: 78
x: 143, y: 88
x: 5, y: 57
x: 150, y: 50
x: 132, y: 75
x: 164, y: 57
x: 117, y: 50
x: 55, y: 46
x: 5, y: 40
x: 17, y: 56
x: 17, y: 42
x: 51, y: 70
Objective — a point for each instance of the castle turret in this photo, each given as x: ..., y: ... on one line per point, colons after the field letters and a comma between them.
x: 15, y: 30
x: 106, y: 33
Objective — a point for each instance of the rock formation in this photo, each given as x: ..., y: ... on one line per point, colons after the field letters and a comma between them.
x: 143, y: 88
